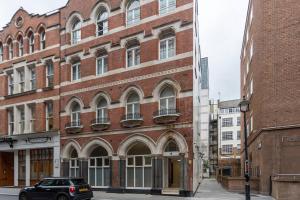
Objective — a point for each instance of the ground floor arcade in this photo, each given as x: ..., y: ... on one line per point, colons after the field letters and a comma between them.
x: 138, y: 164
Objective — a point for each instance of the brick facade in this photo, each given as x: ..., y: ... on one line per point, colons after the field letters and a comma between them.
x: 147, y: 79
x: 273, y: 66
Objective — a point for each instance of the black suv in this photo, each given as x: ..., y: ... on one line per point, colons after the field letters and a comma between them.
x: 58, y: 189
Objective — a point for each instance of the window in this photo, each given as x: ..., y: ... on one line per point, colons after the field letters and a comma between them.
x: 75, y: 114
x: 167, y: 48
x: 49, y: 116
x: 1, y: 52
x: 101, y: 65
x: 238, y: 121
x: 101, y: 113
x: 11, y: 122
x: 49, y: 74
x: 33, y: 79
x: 238, y: 147
x: 21, y: 80
x: 75, y: 71
x: 21, y: 46
x: 227, y: 135
x: 42, y: 39
x: 102, y: 22
x: 32, y: 118
x: 133, y: 105
x: 227, y: 122
x: 31, y: 42
x: 133, y: 12
x: 167, y: 102
x: 238, y: 135
x: 133, y: 56
x: 139, y: 167
x: 21, y: 120
x: 10, y: 49
x: 10, y: 83
x: 166, y: 6
x: 99, y: 168
x: 227, y: 149
x: 74, y: 164
x: 76, y: 32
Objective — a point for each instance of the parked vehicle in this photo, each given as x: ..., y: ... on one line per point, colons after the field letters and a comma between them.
x: 58, y: 189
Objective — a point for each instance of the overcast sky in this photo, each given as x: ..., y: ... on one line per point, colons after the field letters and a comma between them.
x: 221, y: 31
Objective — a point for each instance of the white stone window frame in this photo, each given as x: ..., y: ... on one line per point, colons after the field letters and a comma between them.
x: 22, y: 78
x: 169, y: 8
x: 134, y: 51
x: 11, y: 122
x: 75, y: 114
x: 95, y: 167
x: 75, y: 167
x: 144, y: 165
x: 102, y: 109
x: 49, y: 76
x: 10, y: 50
x: 11, y: 84
x: 104, y: 68
x: 42, y: 40
x: 103, y: 21
x: 167, y: 98
x: 167, y: 47
x: 76, y: 31
x: 78, y: 71
x: 31, y: 43
x: 22, y: 119
x: 21, y: 46
x: 32, y: 78
x: 136, y: 105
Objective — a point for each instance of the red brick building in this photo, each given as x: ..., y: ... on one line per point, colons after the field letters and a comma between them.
x: 117, y: 81
x: 270, y: 75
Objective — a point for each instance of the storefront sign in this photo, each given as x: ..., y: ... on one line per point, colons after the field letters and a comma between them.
x: 38, y: 140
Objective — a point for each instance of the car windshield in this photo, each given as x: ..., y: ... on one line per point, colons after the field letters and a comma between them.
x: 78, y: 181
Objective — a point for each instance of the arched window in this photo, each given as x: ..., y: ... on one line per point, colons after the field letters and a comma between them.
x: 74, y: 164
x: 42, y: 39
x: 99, y: 168
x: 102, y: 63
x: 76, y: 31
x: 101, y: 112
x: 133, y: 106
x: 139, y: 167
x: 21, y: 46
x: 10, y: 49
x: 133, y: 12
x: 1, y: 52
x: 167, y: 101
x: 31, y: 42
x: 102, y: 22
x: 75, y: 114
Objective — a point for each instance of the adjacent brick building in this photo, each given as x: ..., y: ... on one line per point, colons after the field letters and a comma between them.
x: 270, y: 79
x: 116, y: 82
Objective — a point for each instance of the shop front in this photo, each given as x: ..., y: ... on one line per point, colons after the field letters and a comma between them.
x: 26, y: 159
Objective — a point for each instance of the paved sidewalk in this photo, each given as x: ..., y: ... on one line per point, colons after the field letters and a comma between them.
x: 9, y: 191
x: 210, y: 189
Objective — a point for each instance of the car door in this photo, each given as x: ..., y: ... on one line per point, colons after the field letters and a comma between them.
x: 44, y: 190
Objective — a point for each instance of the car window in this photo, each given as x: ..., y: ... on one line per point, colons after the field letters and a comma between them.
x: 63, y: 182
x: 78, y: 181
x: 48, y: 182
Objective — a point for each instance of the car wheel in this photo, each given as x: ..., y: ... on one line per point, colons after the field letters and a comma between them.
x: 23, y: 197
x: 62, y: 197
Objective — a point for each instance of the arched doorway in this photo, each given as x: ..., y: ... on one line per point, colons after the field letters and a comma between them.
x: 99, y: 168
x: 172, y: 165
x: 139, y: 166
x: 74, y: 164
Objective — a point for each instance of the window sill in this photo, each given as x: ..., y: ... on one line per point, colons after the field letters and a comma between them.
x: 48, y: 88
x: 20, y: 94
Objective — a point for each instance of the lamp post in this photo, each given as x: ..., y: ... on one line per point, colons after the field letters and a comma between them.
x: 244, y: 108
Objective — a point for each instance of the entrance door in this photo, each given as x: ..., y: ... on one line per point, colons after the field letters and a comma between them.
x: 7, y: 172
x: 171, y: 173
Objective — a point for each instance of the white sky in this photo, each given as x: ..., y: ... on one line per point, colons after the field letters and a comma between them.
x: 221, y: 31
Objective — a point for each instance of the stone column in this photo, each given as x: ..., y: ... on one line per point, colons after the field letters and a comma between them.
x: 122, y: 172
x: 27, y: 167
x: 65, y: 168
x: 115, y: 176
x: 83, y: 168
x: 56, y: 165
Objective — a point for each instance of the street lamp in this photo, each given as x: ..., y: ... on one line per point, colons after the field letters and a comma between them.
x: 244, y: 108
